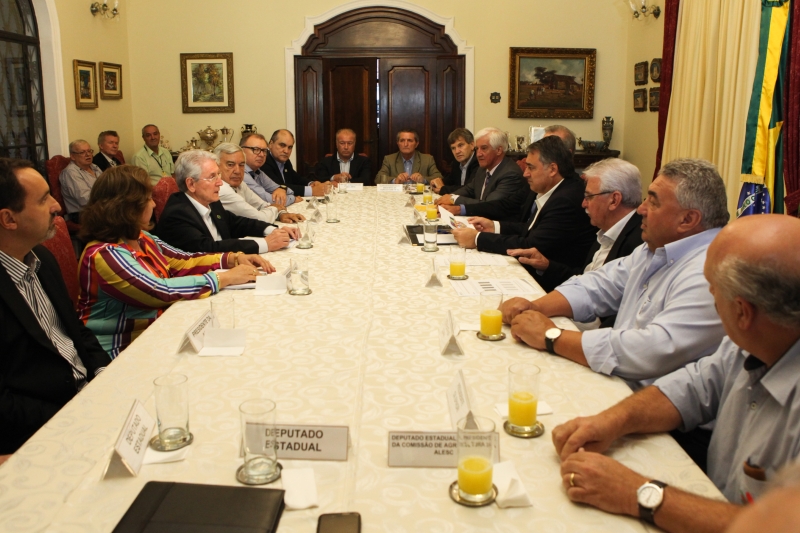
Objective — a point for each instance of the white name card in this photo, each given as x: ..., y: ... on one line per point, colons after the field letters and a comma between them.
x: 223, y: 342
x: 133, y: 439
x: 352, y: 187
x: 197, y: 331
x: 271, y: 285
x: 410, y: 202
x: 458, y: 399
x: 429, y: 449
x: 448, y: 337
x: 390, y: 187
x: 316, y: 443
x: 433, y: 279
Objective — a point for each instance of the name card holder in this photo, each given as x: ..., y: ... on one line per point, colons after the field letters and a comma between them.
x: 448, y: 337
x: 273, y: 284
x: 390, y: 187
x: 352, y: 187
x: 410, y: 202
x: 458, y: 399
x: 433, y: 279
x: 314, y: 443
x: 429, y: 449
x: 208, y: 339
x: 131, y: 445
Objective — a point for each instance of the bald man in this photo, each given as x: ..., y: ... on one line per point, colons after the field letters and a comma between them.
x: 749, y: 386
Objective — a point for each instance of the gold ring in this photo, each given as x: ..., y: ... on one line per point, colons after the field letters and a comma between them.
x: 572, y: 479
x: 255, y: 271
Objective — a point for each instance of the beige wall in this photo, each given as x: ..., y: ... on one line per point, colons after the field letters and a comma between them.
x: 95, y: 39
x: 153, y: 33
x: 640, y: 140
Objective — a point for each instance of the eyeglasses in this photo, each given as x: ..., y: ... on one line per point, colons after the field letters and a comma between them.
x: 212, y: 177
x: 256, y: 150
x: 590, y: 196
x: 85, y: 152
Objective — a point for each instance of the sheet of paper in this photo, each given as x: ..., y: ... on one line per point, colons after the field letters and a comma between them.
x: 274, y: 284
x: 473, y: 287
x: 441, y: 238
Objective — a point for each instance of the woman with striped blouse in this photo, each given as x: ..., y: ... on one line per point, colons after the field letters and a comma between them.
x: 127, y: 276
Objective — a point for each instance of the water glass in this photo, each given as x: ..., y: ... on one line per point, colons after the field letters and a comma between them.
x: 475, y: 453
x: 172, y: 412
x: 298, y: 276
x: 304, y: 226
x: 430, y: 234
x: 330, y: 210
x: 258, y: 443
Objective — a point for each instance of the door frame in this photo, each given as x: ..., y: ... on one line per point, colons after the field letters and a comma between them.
x: 310, y: 22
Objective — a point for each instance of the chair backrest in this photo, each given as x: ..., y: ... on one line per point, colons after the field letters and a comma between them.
x: 55, y: 165
x: 60, y: 245
x: 120, y: 157
x: 165, y: 188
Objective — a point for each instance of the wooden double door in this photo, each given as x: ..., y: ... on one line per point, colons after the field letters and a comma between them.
x: 403, y: 83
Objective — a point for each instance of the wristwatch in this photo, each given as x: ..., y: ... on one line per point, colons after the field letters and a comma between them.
x: 550, y: 337
x: 282, y: 187
x: 650, y: 495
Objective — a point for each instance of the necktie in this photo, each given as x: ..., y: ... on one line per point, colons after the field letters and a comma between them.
x: 253, y: 173
x: 534, y: 209
x: 485, y: 183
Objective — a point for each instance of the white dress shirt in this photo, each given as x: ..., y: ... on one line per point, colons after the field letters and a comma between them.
x: 607, y: 240
x: 205, y: 214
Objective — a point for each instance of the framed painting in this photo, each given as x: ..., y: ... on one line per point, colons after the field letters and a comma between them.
x: 655, y: 98
x: 85, y: 74
x: 655, y: 70
x: 110, y: 81
x: 551, y: 82
x: 640, y: 100
x: 640, y: 73
x: 207, y: 83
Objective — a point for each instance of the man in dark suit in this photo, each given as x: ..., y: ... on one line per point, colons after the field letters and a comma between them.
x: 279, y: 167
x: 108, y: 142
x: 345, y: 165
x: 498, y: 178
x: 554, y: 223
x: 48, y: 355
x: 195, y: 221
x: 613, y: 192
x: 462, y: 144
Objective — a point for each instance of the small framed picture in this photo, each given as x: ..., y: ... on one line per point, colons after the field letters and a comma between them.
x: 655, y: 70
x: 85, y: 74
x: 655, y: 96
x: 207, y: 83
x: 640, y: 73
x: 640, y: 100
x: 110, y: 81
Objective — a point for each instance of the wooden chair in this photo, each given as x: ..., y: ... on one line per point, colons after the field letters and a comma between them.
x: 121, y: 157
x: 165, y: 188
x: 60, y: 245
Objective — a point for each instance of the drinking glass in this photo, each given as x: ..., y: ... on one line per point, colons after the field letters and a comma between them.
x: 432, y: 213
x: 458, y: 263
x: 330, y: 210
x: 427, y: 195
x: 258, y: 443
x: 172, y: 413
x: 420, y: 187
x: 475, y: 453
x: 491, y: 317
x: 304, y: 226
x: 430, y: 234
x: 523, y: 400
x: 298, y: 278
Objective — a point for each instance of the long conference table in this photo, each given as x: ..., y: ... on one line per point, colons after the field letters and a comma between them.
x: 361, y: 351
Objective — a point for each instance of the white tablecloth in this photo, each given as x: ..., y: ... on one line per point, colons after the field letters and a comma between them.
x: 361, y: 351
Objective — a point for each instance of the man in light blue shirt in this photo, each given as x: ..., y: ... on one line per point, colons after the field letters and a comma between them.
x: 255, y: 153
x: 665, y: 314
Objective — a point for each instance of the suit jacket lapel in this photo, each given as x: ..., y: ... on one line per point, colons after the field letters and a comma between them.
x: 632, y: 223
x: 417, y: 166
x: 218, y: 218
x: 20, y: 308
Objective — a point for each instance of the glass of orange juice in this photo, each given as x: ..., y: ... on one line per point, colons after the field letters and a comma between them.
x: 475, y: 458
x: 458, y: 263
x: 491, y: 317
x: 523, y: 400
x: 432, y: 212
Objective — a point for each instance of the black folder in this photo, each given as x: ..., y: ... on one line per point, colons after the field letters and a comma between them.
x: 186, y: 507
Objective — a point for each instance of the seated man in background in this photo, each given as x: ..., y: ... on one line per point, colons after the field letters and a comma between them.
x: 48, y: 354
x: 554, y: 223
x: 665, y: 315
x: 153, y: 157
x: 236, y: 197
x: 279, y: 167
x: 407, y: 164
x: 195, y: 221
x: 749, y: 386
x: 613, y: 192
x: 345, y: 165
x: 498, y: 177
x: 77, y: 178
x: 108, y: 143
x: 255, y: 153
x: 462, y: 144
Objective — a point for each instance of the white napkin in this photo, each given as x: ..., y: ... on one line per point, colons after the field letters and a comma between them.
x: 300, y: 487
x: 542, y: 408
x: 152, y: 457
x: 510, y: 490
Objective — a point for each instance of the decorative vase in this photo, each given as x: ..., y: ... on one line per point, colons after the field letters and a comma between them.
x: 608, y: 130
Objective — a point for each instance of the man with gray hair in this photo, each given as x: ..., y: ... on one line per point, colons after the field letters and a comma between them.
x: 499, y: 177
x: 613, y: 192
x: 665, y: 314
x: 407, y: 164
x: 153, y: 157
x: 195, y: 221
x: 78, y: 178
x: 108, y: 143
x: 749, y: 386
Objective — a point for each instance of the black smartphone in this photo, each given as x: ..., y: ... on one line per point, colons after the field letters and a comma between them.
x: 339, y: 523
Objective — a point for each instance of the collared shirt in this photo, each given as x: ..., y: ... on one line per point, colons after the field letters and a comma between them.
x: 243, y: 202
x: 665, y: 314
x: 541, y: 199
x: 607, y: 240
x: 109, y: 159
x: 24, y: 276
x: 205, y: 214
x: 408, y: 164
x: 464, y: 166
x: 157, y: 165
x: 263, y: 186
x: 757, y: 413
x: 463, y: 207
x: 76, y: 185
x: 344, y: 166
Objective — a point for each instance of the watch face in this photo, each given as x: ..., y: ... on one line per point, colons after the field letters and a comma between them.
x: 650, y: 496
x: 552, y: 333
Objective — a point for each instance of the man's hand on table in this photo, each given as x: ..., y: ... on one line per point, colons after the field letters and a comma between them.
x: 256, y: 261
x: 289, y: 218
x: 279, y: 238
x: 437, y: 184
x: 529, y: 327
x: 591, y: 433
x: 342, y: 177
x: 465, y: 237
x: 530, y: 256
x: 279, y: 197
x: 447, y: 199
x: 511, y: 308
x: 484, y: 225
x: 317, y: 188
x: 601, y: 482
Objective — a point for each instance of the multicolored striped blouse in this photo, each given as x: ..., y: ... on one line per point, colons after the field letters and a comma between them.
x: 123, y: 291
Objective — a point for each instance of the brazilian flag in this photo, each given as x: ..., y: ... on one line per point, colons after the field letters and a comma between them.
x: 762, y: 160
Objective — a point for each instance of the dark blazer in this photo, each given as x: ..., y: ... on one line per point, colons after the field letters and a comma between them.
x: 182, y: 226
x: 562, y: 231
x: 100, y: 160
x: 290, y: 178
x: 507, y: 181
x: 329, y: 166
x: 452, y: 182
x: 35, y: 381
x: 628, y: 240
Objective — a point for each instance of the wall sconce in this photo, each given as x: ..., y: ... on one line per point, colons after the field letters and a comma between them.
x: 645, y: 11
x: 494, y: 98
x: 102, y: 9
